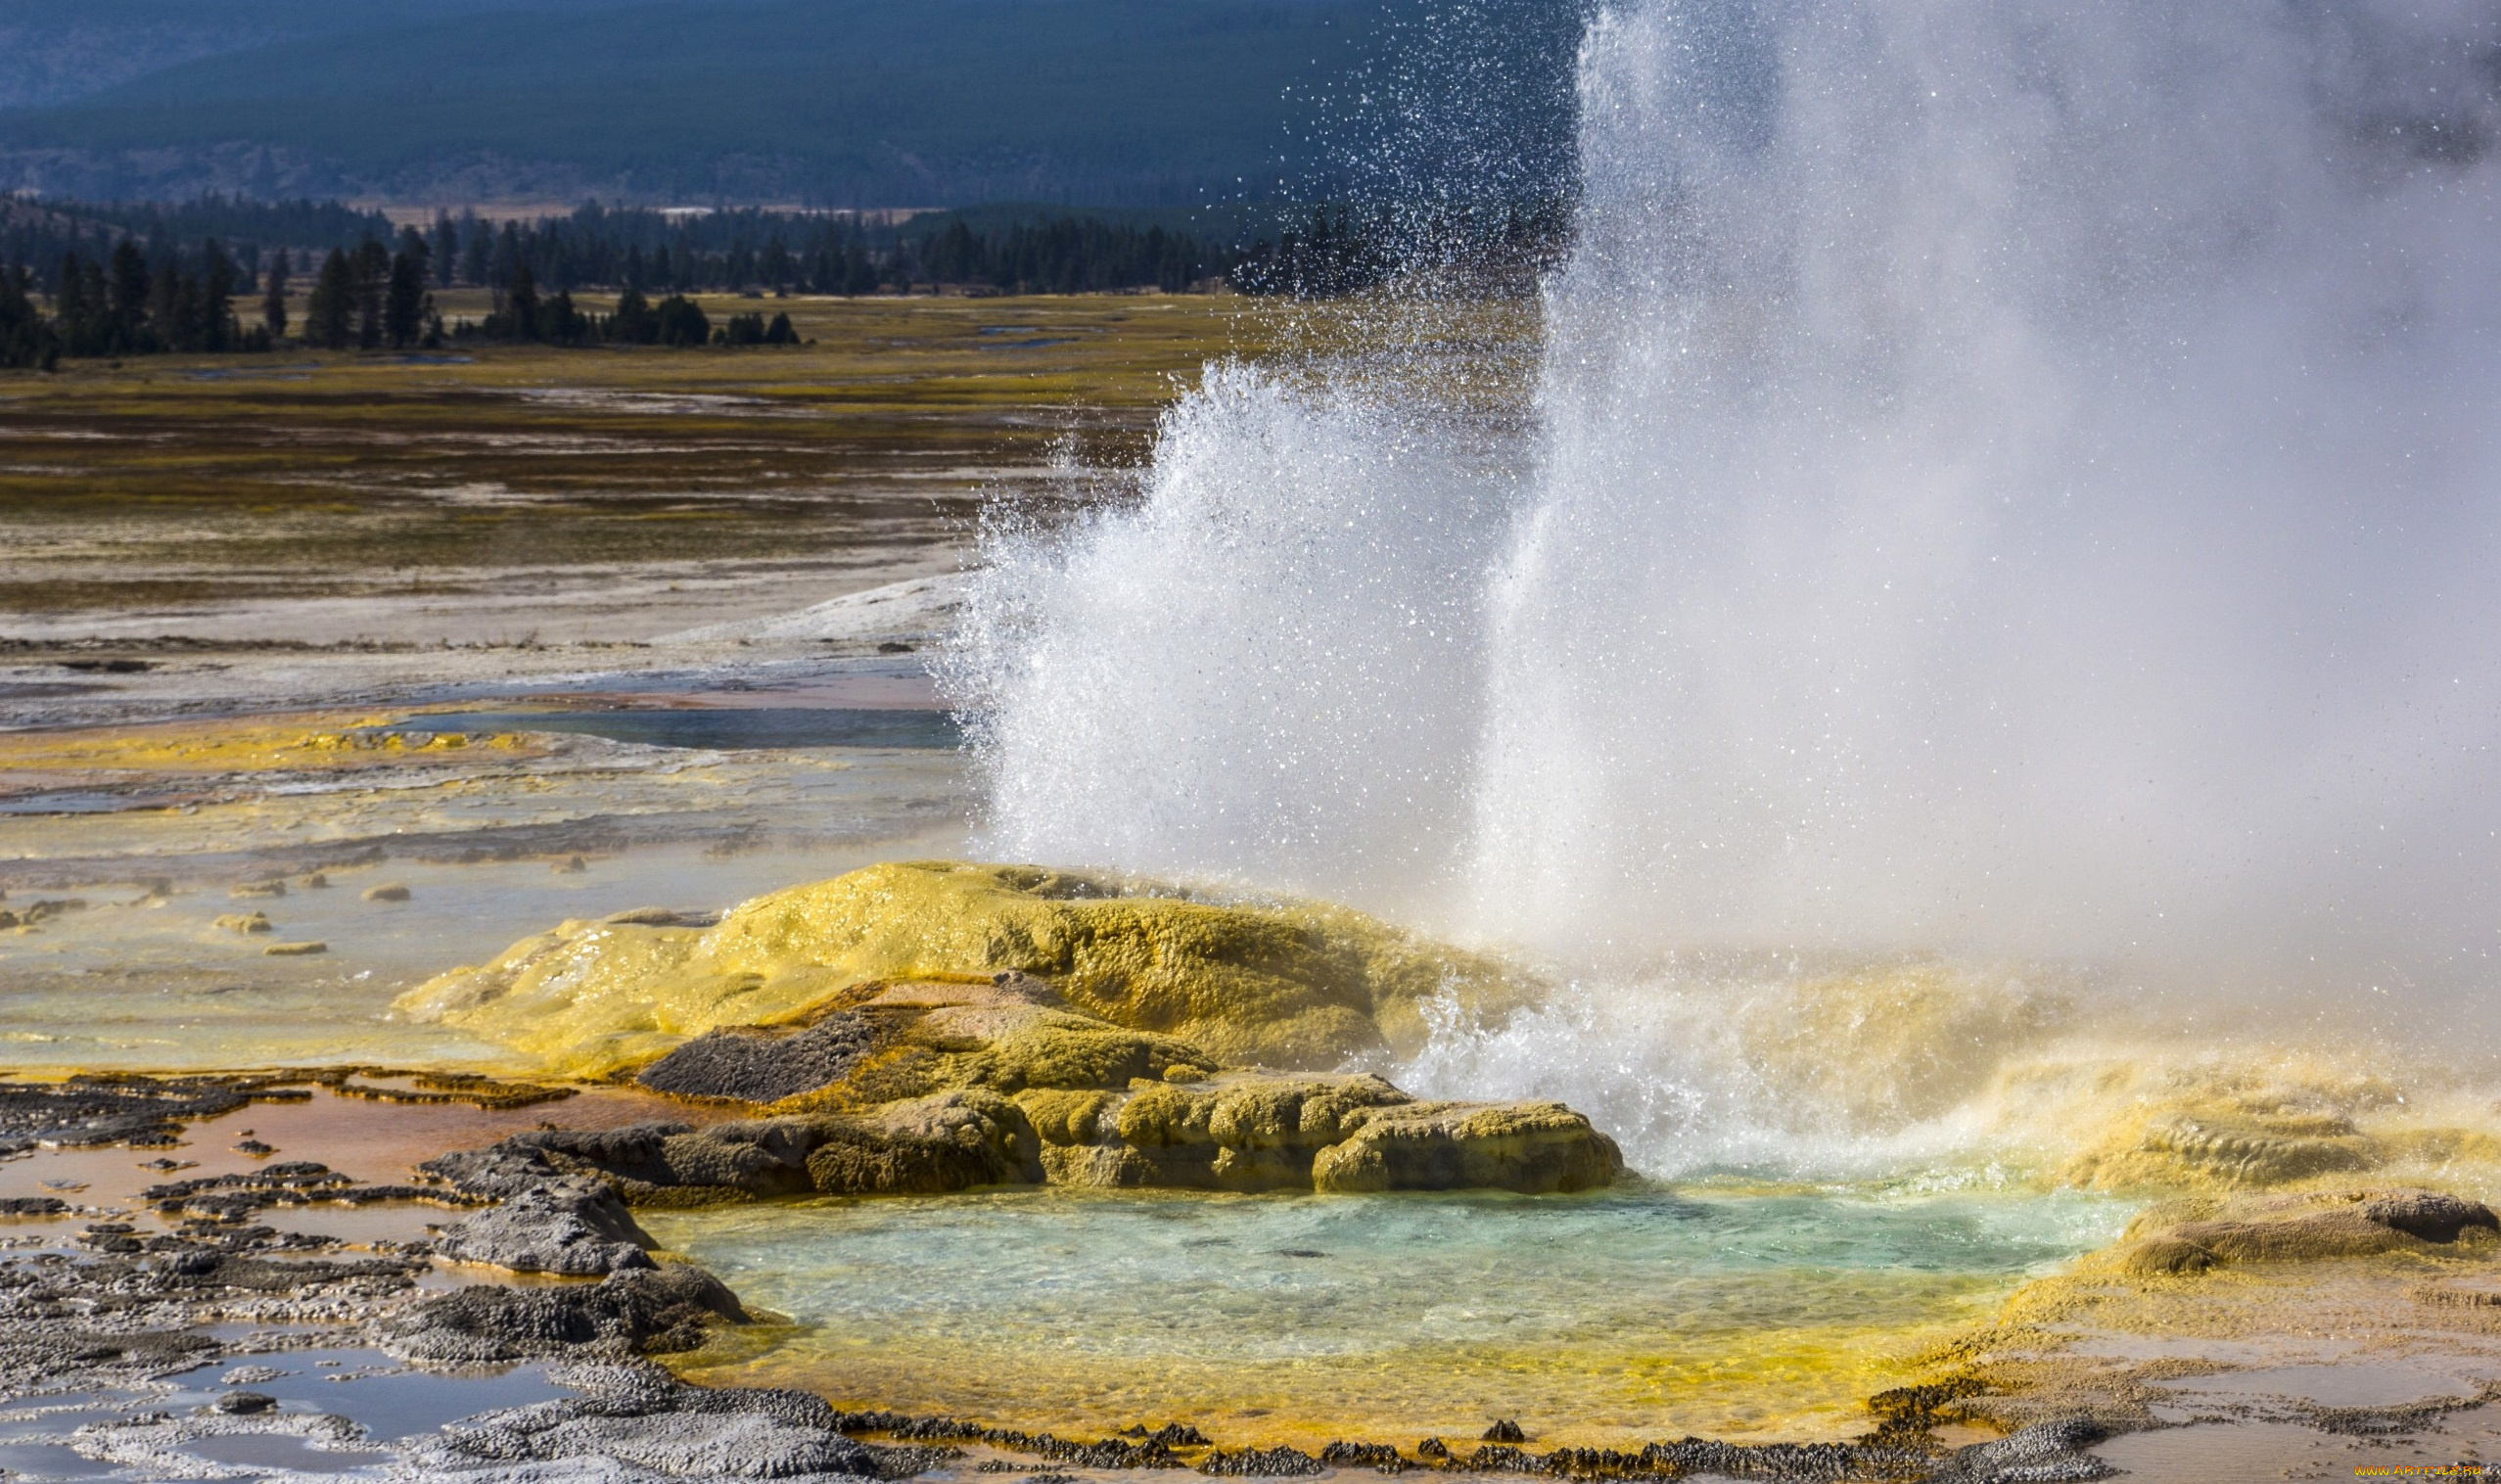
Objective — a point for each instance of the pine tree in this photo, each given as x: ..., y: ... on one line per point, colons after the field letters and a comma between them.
x: 859, y: 275
x: 217, y: 301
x: 71, y: 315
x: 25, y: 339
x: 508, y: 256
x: 81, y: 308
x: 445, y: 248
x: 476, y: 269
x: 273, y: 304
x: 329, y: 317
x: 164, y: 314
x: 407, y: 304
x: 634, y: 323
x: 519, y: 317
x: 372, y: 270
x: 560, y: 323
x: 128, y: 282
x: 681, y: 322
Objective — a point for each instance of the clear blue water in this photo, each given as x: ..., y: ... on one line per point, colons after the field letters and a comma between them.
x: 1639, y: 1312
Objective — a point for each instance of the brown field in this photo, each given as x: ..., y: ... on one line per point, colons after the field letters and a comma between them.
x: 170, y: 482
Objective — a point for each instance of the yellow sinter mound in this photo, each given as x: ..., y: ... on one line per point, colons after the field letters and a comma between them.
x: 1292, y: 985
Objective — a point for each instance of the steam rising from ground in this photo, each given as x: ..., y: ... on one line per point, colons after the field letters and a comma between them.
x: 2016, y: 480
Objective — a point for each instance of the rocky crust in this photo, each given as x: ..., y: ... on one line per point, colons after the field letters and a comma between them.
x: 641, y: 1418
x: 940, y: 1086
x: 2046, y: 1452
x: 646, y: 1311
x: 574, y: 1229
x: 762, y: 1064
x: 1234, y: 1131
x: 140, y: 1111
x: 2190, y: 1236
x: 1284, y: 984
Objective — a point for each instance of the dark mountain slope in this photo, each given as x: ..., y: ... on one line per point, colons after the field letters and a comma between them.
x: 838, y: 101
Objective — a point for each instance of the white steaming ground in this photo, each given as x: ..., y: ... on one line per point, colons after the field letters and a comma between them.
x: 2010, y: 477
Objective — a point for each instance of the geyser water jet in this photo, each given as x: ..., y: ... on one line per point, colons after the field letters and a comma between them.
x: 2020, y: 481
x: 2023, y: 483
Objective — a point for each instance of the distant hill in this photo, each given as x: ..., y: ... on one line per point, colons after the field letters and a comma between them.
x: 848, y: 103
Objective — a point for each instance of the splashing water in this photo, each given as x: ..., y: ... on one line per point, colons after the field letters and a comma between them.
x: 2011, y: 480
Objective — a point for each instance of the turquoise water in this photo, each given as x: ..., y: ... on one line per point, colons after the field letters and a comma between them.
x: 1634, y: 1314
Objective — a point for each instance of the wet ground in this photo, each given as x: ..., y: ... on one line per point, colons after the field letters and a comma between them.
x: 448, y: 651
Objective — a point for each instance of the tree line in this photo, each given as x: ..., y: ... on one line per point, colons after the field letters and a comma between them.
x: 124, y: 304
x: 374, y: 298
x: 660, y: 252
x: 114, y: 292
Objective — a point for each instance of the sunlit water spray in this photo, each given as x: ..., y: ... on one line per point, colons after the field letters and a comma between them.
x: 2017, y: 481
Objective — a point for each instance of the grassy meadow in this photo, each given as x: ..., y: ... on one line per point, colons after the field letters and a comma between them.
x: 170, y: 480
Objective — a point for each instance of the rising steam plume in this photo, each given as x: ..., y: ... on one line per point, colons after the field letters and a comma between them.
x: 2006, y: 478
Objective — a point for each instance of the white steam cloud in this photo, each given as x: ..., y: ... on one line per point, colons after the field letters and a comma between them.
x: 2009, y: 477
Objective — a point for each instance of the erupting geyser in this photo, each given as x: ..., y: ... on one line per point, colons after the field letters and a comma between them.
x: 2017, y: 480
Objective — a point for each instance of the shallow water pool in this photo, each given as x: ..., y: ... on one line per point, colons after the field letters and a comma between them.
x: 1637, y: 1314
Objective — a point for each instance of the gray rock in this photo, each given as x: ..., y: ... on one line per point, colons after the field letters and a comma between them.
x: 107, y: 1110
x: 2429, y: 1214
x: 2046, y: 1452
x: 766, y: 1156
x: 635, y: 1422
x: 564, y: 1226
x: 759, y: 1065
x: 529, y: 1160
x: 633, y: 1312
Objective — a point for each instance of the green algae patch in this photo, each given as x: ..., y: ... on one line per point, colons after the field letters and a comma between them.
x: 1284, y: 984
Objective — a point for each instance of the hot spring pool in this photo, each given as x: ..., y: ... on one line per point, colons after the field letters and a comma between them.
x: 1642, y: 1313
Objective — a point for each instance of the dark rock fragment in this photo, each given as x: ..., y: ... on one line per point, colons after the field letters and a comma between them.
x: 2430, y: 1215
x: 635, y: 1311
x: 32, y: 1205
x: 1505, y: 1431
x: 565, y: 1227
x: 1433, y: 1449
x: 2046, y: 1452
x: 949, y: 1141
x: 243, y: 1403
x: 640, y: 1417
x: 861, y: 1159
x: 759, y: 1065
x: 1260, y: 1462
x: 1111, y: 1453
x: 526, y: 1161
x: 1376, y: 1455
x: 110, y: 1109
